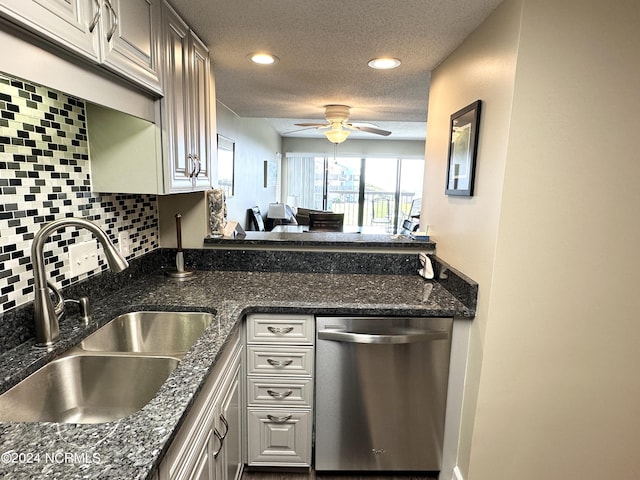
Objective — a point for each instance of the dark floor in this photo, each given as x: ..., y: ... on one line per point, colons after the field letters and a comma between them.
x: 312, y: 475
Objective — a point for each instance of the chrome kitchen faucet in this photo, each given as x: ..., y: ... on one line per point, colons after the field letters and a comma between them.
x: 46, y: 315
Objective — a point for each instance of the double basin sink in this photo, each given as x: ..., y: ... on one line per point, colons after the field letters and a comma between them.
x: 111, y: 374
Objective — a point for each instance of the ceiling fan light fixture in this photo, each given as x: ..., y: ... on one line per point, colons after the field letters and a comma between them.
x: 384, y: 63
x: 263, y: 58
x: 337, y: 136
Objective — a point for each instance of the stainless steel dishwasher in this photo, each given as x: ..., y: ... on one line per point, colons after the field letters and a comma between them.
x: 381, y: 390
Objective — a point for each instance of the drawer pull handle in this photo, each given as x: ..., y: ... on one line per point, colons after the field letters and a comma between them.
x: 280, y: 330
x: 275, y: 394
x: 96, y: 17
x: 226, y: 426
x: 114, y: 25
x: 279, y: 363
x: 221, y: 440
x: 284, y: 419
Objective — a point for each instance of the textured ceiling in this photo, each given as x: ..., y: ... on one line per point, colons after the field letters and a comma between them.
x: 324, y: 47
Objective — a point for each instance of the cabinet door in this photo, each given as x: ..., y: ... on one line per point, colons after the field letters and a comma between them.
x: 130, y: 39
x: 199, y: 448
x: 200, y: 134
x: 194, y: 463
x: 231, y: 465
x: 70, y: 23
x: 175, y: 103
x: 279, y: 437
x: 186, y: 106
x: 203, y: 469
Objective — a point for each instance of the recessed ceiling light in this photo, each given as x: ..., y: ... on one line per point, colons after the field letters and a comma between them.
x: 263, y: 58
x: 384, y: 63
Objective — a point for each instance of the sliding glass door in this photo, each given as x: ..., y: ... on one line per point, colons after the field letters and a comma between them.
x: 372, y: 192
x: 409, y: 187
x: 343, y: 188
x: 380, y: 192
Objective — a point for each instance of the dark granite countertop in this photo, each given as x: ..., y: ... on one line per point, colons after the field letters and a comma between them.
x: 337, y: 240
x: 132, y: 448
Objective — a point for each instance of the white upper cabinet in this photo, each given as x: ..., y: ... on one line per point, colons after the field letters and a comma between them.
x: 146, y: 41
x: 131, y: 40
x: 70, y: 23
x: 174, y: 154
x: 121, y: 35
x: 186, y: 106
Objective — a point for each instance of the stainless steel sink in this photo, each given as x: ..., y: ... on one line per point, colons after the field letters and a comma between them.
x: 112, y: 373
x: 86, y: 389
x: 167, y: 333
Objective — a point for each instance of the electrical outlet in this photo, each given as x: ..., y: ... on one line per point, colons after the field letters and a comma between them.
x: 83, y: 258
x: 124, y: 244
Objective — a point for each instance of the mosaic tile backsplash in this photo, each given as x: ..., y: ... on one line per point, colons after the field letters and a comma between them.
x: 45, y: 174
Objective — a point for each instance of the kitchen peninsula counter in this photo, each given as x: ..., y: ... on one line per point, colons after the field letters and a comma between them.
x: 302, y: 239
x: 133, y: 447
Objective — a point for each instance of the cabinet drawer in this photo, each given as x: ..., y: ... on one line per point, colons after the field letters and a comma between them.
x: 274, y: 391
x: 279, y: 437
x: 268, y: 360
x: 296, y: 329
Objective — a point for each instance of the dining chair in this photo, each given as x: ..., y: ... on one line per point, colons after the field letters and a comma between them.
x: 381, y: 211
x: 326, y: 222
x: 256, y: 221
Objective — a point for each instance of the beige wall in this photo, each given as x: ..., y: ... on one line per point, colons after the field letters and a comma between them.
x: 551, y: 236
x: 559, y: 389
x: 256, y: 141
x: 466, y: 229
x: 194, y: 221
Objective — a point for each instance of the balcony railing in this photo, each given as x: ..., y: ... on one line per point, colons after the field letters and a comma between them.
x: 379, y: 208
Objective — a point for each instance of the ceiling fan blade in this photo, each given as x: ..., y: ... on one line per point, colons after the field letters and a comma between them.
x: 377, y: 131
x: 310, y: 124
x: 299, y: 130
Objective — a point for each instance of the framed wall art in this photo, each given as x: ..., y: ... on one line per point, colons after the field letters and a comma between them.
x: 463, y: 145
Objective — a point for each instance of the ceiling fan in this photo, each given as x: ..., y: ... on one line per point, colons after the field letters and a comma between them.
x: 338, y: 126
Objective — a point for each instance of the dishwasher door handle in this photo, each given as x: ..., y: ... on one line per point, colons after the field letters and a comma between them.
x: 398, y: 338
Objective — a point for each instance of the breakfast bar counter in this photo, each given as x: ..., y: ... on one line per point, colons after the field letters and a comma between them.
x: 299, y: 237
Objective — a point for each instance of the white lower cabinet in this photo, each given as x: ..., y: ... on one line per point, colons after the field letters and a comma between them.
x: 208, y: 445
x: 280, y: 355
x: 279, y: 437
x: 202, y: 468
x: 229, y: 463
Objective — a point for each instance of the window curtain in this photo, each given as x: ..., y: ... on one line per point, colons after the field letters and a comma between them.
x: 300, y: 179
